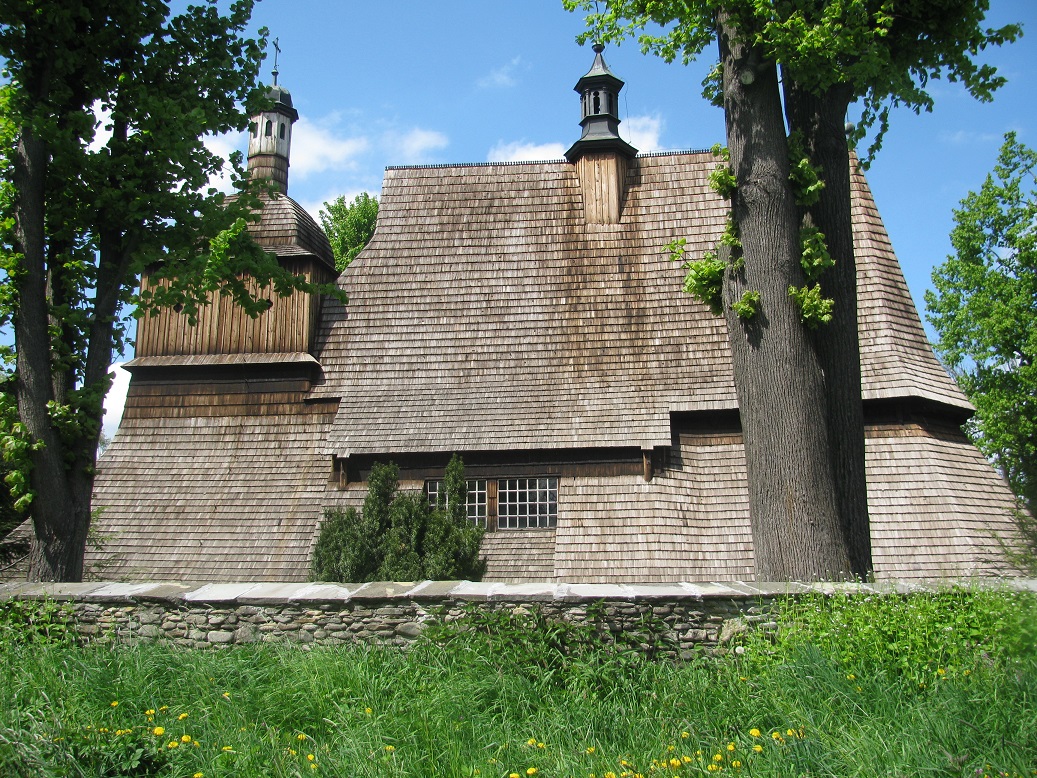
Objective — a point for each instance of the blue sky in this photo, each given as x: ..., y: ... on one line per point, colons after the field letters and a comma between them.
x: 405, y: 82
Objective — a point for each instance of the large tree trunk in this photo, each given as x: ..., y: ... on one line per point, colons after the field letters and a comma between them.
x: 795, y: 520
x: 821, y: 121
x: 60, y: 520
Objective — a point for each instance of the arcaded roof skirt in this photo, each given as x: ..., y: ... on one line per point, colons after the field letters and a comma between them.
x: 287, y: 229
x: 486, y: 314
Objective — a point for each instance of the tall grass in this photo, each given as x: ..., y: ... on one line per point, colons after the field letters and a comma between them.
x: 940, y: 685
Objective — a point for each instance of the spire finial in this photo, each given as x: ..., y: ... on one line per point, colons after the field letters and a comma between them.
x: 277, y: 50
x: 598, y: 47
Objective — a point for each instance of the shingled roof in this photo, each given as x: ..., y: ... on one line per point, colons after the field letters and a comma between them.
x: 286, y: 229
x: 486, y: 314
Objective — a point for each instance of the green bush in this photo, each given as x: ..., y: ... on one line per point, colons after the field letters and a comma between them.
x: 399, y: 536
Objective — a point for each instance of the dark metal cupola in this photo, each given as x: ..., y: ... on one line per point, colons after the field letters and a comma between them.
x: 599, y: 107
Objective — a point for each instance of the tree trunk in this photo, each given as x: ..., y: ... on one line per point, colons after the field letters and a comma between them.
x: 778, y: 378
x: 59, y: 519
x: 821, y: 120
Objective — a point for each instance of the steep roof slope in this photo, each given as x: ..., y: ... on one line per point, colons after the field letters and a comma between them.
x: 486, y: 314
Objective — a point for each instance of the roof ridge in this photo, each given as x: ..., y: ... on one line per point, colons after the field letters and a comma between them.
x: 675, y: 152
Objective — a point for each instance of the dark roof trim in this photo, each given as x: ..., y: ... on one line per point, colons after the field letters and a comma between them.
x: 678, y: 152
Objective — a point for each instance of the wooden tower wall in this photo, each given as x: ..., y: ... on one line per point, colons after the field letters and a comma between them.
x: 222, y: 327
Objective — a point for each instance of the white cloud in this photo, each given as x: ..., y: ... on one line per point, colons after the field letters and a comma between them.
x: 412, y: 147
x: 968, y: 137
x: 223, y: 146
x: 316, y: 147
x: 502, y: 77
x: 520, y: 151
x: 115, y: 401
x: 642, y: 132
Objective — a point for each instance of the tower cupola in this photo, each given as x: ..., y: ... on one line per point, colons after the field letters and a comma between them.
x: 599, y: 108
x: 270, y: 137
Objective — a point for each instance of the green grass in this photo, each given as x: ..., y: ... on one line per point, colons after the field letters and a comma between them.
x: 932, y: 685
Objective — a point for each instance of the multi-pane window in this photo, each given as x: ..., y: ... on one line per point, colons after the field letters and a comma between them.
x: 508, y: 503
x: 524, y: 503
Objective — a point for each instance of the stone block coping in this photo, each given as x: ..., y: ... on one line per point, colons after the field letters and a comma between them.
x: 280, y: 593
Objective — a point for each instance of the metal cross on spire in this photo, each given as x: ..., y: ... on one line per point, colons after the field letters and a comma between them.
x: 277, y: 50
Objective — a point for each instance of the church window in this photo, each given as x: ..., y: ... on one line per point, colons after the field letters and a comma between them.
x: 269, y: 130
x: 281, y: 132
x: 508, y: 503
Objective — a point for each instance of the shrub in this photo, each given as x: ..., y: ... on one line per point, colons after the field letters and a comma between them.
x: 399, y: 535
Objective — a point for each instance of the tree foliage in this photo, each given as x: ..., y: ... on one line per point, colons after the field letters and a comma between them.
x: 400, y: 536
x: 796, y: 358
x: 984, y: 309
x: 105, y: 172
x: 349, y: 226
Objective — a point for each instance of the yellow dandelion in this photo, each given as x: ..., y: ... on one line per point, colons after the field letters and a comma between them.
x: 758, y: 748
x: 300, y: 736
x: 541, y: 745
x: 292, y: 751
x: 310, y: 758
x: 718, y: 757
x: 531, y: 771
x: 712, y: 767
x: 115, y: 703
x: 163, y: 708
x: 686, y: 759
x: 185, y: 738
x: 675, y: 763
x: 610, y: 774
x: 390, y: 749
x: 685, y: 735
x: 851, y: 677
x: 199, y: 775
x: 149, y: 712
x: 776, y: 735
x: 736, y: 764
x: 590, y: 749
x: 531, y: 742
x: 755, y: 732
x: 228, y: 749
x: 368, y: 711
x: 172, y: 744
x: 790, y: 732
x: 158, y: 731
x: 313, y: 766
x: 730, y: 746
x: 226, y: 695
x: 941, y: 671
x: 181, y: 717
x: 514, y: 775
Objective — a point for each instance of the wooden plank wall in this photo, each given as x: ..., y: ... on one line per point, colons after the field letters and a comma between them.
x: 224, y: 328
x: 602, y: 178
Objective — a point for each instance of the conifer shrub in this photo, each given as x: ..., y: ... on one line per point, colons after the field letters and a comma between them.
x: 400, y: 536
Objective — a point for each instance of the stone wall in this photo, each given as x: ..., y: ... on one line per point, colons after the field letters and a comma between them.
x: 687, y: 615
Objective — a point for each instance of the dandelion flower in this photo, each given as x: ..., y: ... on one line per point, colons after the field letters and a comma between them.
x: 310, y: 758
x: 675, y: 763
x: 718, y: 757
x: 754, y: 732
x: 368, y: 711
x: 776, y: 735
x: 590, y: 749
x: 227, y: 749
x: 158, y: 731
x: 313, y: 766
x: 185, y: 738
x: 531, y: 771
x: 541, y: 745
x: 686, y: 759
x: 758, y: 748
x: 531, y: 742
x: 181, y: 717
x: 712, y: 767
x: 851, y: 677
x: 199, y: 775
x: 226, y: 695
x: 790, y: 732
x: 149, y: 712
x: 514, y: 775
x: 736, y: 764
x: 300, y: 736
x: 390, y: 749
x: 730, y: 746
x: 292, y: 751
x: 115, y: 703
x: 163, y: 709
x: 172, y: 744
x: 685, y: 735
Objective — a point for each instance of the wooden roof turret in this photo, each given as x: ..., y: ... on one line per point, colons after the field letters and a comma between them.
x: 270, y: 138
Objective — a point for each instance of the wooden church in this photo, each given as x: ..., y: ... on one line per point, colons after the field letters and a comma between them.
x: 526, y: 316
